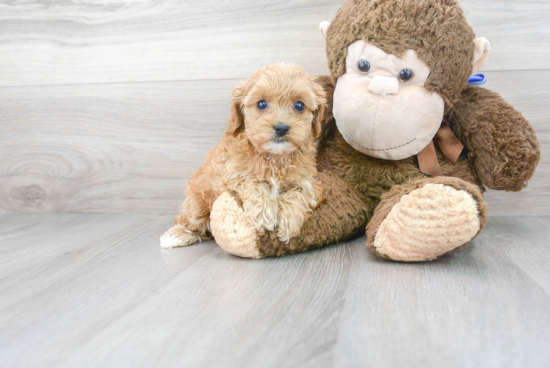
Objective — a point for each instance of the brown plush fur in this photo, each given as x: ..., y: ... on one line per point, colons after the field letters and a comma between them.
x: 501, y: 145
x: 276, y: 181
x: 501, y: 150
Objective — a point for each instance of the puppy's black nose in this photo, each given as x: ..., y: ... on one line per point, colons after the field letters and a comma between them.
x: 281, y: 129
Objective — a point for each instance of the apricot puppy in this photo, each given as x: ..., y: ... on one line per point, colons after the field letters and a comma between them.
x: 266, y: 156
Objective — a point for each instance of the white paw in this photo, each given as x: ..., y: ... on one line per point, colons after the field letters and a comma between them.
x: 169, y: 241
x: 172, y: 241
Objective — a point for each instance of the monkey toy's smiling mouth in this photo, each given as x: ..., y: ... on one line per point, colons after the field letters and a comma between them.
x: 347, y: 138
x: 382, y: 129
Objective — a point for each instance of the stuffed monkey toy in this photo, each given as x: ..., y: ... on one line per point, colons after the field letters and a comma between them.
x: 407, y: 146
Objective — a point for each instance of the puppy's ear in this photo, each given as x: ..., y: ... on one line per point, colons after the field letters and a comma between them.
x: 319, y: 113
x: 235, y: 124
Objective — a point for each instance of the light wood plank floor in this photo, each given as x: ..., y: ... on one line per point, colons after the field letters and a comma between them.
x: 95, y: 290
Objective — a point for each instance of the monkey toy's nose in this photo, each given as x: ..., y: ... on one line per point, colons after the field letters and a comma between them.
x: 281, y: 130
x: 384, y: 85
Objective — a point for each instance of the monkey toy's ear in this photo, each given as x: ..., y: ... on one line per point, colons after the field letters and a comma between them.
x: 235, y: 123
x: 323, y: 27
x: 482, y: 48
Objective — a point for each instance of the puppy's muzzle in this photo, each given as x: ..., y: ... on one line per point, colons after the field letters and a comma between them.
x: 281, y: 130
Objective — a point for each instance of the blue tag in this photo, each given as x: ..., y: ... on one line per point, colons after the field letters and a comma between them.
x: 477, y: 80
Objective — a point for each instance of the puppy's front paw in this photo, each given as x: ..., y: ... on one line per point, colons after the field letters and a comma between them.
x: 293, y: 212
x: 178, y: 236
x: 289, y: 229
x: 262, y: 212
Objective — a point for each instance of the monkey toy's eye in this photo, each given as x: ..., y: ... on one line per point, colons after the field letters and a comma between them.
x: 363, y: 66
x: 300, y: 107
x: 262, y: 105
x: 405, y: 75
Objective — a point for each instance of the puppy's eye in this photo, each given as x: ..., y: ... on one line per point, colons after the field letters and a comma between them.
x: 262, y: 105
x: 300, y: 107
x: 405, y: 75
x: 363, y: 66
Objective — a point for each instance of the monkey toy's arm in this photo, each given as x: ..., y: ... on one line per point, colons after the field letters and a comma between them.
x: 501, y: 145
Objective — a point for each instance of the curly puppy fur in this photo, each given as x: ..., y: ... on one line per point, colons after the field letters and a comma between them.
x: 276, y: 178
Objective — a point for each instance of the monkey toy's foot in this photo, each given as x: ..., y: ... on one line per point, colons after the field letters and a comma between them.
x: 425, y: 219
x: 233, y: 231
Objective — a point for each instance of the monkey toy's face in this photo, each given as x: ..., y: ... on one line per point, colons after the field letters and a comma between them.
x: 381, y: 106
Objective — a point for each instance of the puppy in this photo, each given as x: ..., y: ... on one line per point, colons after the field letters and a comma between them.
x: 266, y: 156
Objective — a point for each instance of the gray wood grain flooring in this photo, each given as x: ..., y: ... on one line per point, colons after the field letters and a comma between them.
x: 95, y: 290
